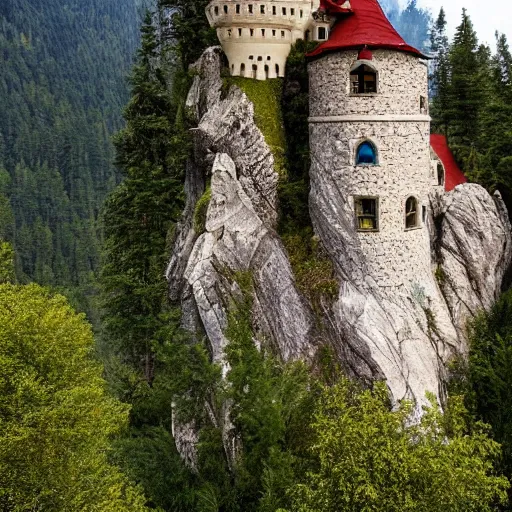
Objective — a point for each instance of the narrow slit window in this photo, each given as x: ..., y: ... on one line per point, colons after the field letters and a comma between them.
x: 225, y: 9
x: 363, y: 80
x: 216, y: 10
x: 367, y: 213
x: 252, y: 32
x: 282, y: 33
x: 229, y: 32
x: 366, y: 154
x: 284, y: 11
x: 440, y: 174
x: 274, y: 10
x: 262, y: 9
x: 262, y: 32
x: 239, y: 32
x: 423, y: 105
x: 254, y: 71
x: 277, y: 69
x: 292, y: 11
x: 301, y: 13
x: 424, y: 214
x: 242, y: 70
x: 411, y: 213
x: 266, y: 72
x: 238, y: 8
x: 251, y: 8
x: 273, y: 33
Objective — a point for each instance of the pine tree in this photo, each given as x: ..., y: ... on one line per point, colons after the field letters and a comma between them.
x: 151, y: 153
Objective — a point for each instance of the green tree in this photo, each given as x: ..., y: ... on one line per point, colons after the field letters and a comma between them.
x: 371, y: 458
x: 56, y: 420
x: 488, y: 374
x: 7, y: 274
x: 151, y: 153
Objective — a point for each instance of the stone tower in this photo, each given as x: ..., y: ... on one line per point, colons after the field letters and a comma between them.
x: 373, y: 177
x: 257, y: 36
x: 370, y: 129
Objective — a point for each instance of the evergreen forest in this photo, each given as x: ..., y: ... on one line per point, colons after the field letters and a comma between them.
x: 94, y: 143
x: 62, y: 91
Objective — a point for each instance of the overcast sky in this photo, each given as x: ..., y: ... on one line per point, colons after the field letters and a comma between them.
x: 487, y: 16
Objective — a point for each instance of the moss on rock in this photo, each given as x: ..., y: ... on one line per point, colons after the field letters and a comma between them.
x: 200, y: 211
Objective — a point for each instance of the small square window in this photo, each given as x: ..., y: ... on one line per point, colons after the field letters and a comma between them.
x: 269, y: 57
x: 251, y: 57
x: 367, y: 213
x: 260, y: 59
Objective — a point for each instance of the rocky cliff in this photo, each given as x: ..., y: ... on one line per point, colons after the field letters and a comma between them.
x: 405, y: 337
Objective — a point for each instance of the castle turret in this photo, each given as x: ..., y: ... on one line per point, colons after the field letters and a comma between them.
x: 369, y: 127
x: 257, y: 36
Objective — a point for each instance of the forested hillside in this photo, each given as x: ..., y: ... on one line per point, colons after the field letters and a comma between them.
x: 62, y: 91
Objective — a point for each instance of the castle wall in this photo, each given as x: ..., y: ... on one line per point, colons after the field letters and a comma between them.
x: 396, y: 257
x: 257, y: 36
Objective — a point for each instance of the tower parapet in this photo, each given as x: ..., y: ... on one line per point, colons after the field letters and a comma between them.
x: 257, y: 36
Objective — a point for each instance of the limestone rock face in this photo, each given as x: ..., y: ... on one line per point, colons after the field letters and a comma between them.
x: 473, y: 248
x: 395, y: 318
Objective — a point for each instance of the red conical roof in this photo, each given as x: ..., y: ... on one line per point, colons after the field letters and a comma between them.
x: 453, y: 175
x: 366, y: 25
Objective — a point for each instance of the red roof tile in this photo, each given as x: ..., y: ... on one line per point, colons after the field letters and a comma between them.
x: 366, y: 25
x: 453, y: 175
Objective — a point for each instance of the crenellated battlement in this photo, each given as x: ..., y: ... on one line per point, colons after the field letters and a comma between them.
x: 257, y: 36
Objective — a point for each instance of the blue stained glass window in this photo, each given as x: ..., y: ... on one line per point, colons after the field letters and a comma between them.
x: 366, y: 154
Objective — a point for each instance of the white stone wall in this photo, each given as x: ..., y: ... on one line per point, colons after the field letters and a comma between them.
x: 257, y: 36
x: 402, y: 79
x: 396, y: 256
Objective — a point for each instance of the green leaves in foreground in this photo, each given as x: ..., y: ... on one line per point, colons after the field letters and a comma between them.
x: 56, y: 420
x: 371, y: 459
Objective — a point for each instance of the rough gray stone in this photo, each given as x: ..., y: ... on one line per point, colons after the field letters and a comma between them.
x: 474, y: 250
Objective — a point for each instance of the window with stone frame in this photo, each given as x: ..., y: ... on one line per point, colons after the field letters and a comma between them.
x: 322, y: 33
x: 367, y: 213
x: 423, y: 105
x: 363, y: 80
x: 412, y: 219
x: 366, y: 153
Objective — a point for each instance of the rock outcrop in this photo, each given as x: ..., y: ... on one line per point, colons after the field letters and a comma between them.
x: 405, y: 334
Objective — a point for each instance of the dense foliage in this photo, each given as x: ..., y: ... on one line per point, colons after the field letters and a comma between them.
x: 56, y: 418
x: 472, y: 103
x: 373, y: 459
x: 62, y: 89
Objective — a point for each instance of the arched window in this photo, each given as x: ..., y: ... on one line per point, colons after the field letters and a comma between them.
x: 366, y: 154
x: 363, y: 80
x: 411, y: 213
